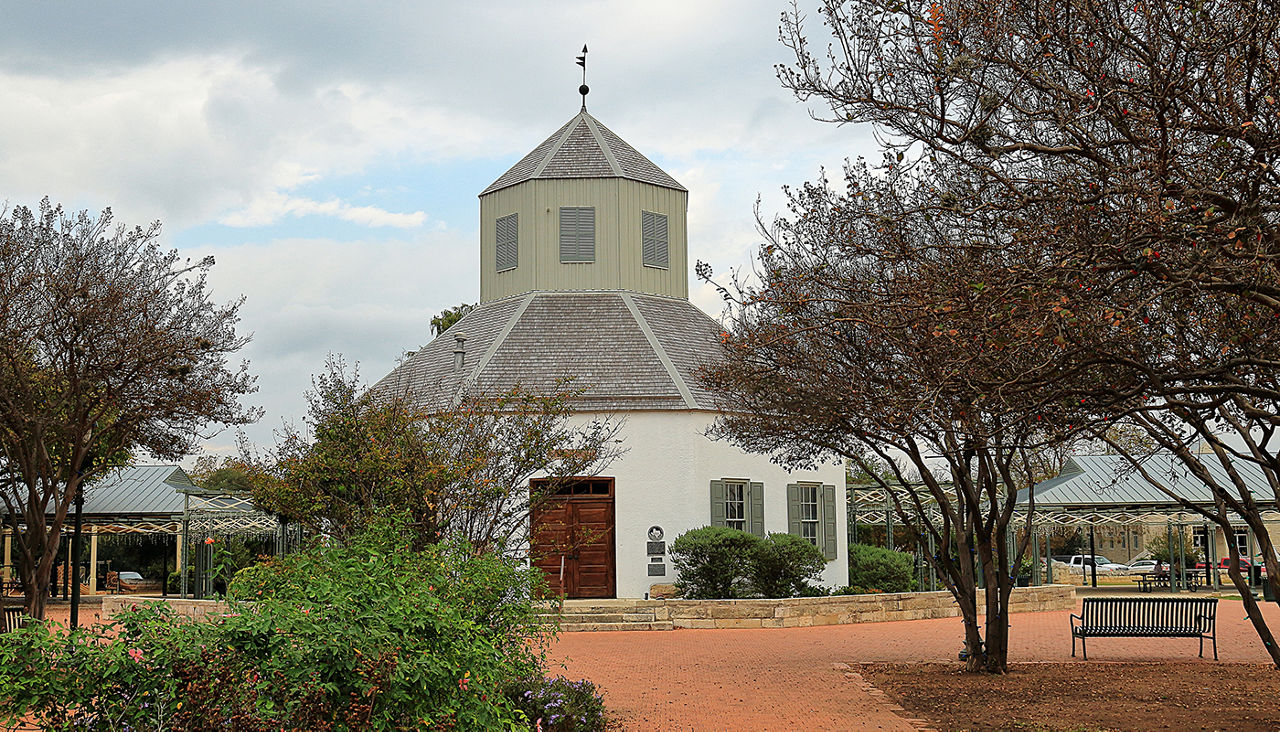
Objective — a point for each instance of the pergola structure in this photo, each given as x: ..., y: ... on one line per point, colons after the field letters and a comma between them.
x: 1095, y: 491
x: 163, y: 503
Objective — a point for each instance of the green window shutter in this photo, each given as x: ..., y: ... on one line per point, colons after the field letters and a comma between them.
x: 717, y: 503
x: 653, y: 239
x: 793, y: 509
x: 755, y: 509
x: 577, y: 234
x: 829, y: 522
x: 507, y: 235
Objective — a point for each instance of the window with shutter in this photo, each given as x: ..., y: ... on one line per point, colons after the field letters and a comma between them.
x: 811, y: 513
x: 508, y: 243
x: 653, y: 239
x: 577, y: 234
x: 739, y: 504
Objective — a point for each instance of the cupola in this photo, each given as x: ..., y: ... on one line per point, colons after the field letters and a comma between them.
x: 583, y: 211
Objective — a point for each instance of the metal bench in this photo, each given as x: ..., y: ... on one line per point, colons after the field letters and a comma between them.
x: 1146, y: 617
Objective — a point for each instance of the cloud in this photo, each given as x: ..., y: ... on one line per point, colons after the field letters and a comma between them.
x: 192, y: 139
x: 369, y: 300
x: 271, y: 207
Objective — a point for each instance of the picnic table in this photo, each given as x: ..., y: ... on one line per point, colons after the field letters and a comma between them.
x: 1148, y: 582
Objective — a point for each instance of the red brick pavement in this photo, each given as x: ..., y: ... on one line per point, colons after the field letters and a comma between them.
x: 786, y: 678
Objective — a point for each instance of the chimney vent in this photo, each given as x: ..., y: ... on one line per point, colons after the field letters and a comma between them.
x: 459, y: 351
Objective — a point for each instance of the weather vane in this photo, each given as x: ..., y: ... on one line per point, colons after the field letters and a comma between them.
x: 582, y: 61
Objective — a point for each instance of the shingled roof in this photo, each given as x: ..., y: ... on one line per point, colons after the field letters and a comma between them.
x: 584, y: 148
x: 625, y: 350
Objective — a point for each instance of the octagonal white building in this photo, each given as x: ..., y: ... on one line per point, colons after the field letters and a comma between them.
x: 584, y: 275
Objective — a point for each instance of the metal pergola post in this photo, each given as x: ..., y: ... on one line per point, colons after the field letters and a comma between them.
x: 888, y: 520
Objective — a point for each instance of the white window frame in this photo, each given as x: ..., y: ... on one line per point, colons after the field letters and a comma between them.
x: 808, y: 523
x: 741, y: 522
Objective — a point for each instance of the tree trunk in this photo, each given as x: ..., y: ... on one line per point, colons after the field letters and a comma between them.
x: 1251, y: 607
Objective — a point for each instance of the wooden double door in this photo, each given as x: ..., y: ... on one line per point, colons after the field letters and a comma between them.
x: 573, y: 539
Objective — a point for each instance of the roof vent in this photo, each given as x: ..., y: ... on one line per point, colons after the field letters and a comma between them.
x: 459, y: 351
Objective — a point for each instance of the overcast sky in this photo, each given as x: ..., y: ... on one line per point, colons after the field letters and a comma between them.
x: 329, y: 155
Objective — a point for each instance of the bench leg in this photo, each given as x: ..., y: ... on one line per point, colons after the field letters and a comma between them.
x: 1215, y: 644
x: 1202, y: 646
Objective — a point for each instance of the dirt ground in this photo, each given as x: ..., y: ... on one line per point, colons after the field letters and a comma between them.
x: 1093, y: 696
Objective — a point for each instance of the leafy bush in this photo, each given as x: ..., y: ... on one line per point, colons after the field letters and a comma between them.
x: 713, y: 562
x: 782, y: 565
x: 882, y: 569
x: 559, y: 705
x: 717, y: 562
x: 371, y: 635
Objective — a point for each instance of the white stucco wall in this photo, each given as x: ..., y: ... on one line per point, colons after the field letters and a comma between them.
x: 664, y: 480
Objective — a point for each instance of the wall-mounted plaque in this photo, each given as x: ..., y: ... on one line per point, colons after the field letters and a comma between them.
x: 657, y: 570
x: 656, y: 547
x: 655, y: 533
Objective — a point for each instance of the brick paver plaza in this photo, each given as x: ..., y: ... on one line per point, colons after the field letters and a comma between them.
x: 788, y: 678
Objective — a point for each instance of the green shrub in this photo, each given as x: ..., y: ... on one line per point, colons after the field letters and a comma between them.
x: 371, y: 635
x: 881, y: 569
x: 559, y: 705
x: 713, y: 562
x: 782, y: 565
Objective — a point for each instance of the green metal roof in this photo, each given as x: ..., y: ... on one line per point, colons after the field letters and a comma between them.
x: 1110, y: 481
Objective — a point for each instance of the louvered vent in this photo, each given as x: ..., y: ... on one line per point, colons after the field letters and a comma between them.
x: 508, y: 240
x: 653, y: 244
x: 577, y: 234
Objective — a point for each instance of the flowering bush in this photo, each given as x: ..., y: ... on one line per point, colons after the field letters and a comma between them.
x: 116, y: 676
x: 370, y: 635
x: 559, y: 705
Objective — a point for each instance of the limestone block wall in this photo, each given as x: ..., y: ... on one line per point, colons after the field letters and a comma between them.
x: 810, y: 611
x: 112, y: 604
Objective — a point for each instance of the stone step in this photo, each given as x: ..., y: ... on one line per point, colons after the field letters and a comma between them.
x: 591, y: 627
x: 641, y: 617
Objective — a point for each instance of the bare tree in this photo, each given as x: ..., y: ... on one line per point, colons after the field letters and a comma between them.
x: 108, y: 346
x: 1129, y: 148
x: 874, y: 332
x: 464, y: 470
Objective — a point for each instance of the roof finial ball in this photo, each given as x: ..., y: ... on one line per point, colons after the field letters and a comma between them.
x: 582, y: 61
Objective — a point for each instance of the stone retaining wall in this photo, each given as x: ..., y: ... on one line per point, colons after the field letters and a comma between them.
x: 787, y: 613
x: 846, y: 609
x: 113, y: 604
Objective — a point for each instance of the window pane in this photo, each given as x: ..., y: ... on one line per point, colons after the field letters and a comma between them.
x: 735, y: 506
x: 809, y: 513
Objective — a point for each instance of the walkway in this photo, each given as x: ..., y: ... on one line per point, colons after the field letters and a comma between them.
x: 787, y: 679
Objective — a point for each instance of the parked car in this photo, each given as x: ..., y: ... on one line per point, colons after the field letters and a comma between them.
x: 1146, y: 566
x: 1245, y: 564
x: 1105, y: 566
